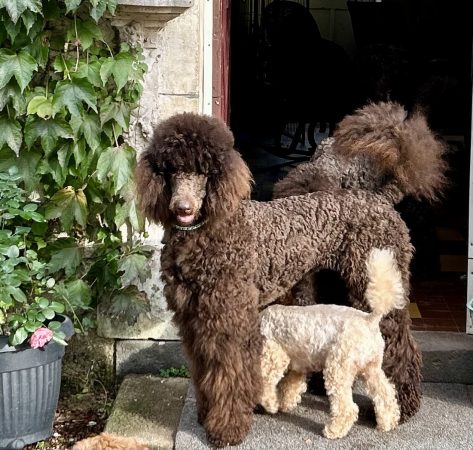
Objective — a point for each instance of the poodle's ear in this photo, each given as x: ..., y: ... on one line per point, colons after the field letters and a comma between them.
x: 226, y: 190
x: 152, y: 191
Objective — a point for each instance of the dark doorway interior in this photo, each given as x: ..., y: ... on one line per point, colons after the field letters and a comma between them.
x: 292, y: 78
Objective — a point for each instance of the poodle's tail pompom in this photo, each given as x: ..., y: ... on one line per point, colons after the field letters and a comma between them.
x: 404, y: 148
x: 385, y: 291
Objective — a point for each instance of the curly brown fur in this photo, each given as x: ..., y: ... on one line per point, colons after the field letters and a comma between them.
x: 403, y: 147
x: 225, y: 261
x: 378, y: 149
x: 107, y: 441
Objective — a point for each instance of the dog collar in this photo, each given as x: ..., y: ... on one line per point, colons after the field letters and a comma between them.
x: 189, y: 228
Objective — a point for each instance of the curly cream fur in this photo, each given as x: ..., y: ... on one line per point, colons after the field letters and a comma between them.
x: 341, y: 341
x: 107, y: 441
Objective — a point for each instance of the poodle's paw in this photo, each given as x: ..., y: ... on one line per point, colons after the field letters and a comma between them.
x: 289, y: 403
x: 271, y: 407
x: 337, y: 430
x: 339, y: 426
x: 228, y: 436
x: 388, y: 422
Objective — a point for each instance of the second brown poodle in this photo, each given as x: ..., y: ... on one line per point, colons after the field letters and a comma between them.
x: 371, y: 149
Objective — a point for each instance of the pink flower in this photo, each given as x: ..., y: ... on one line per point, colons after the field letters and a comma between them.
x: 40, y: 337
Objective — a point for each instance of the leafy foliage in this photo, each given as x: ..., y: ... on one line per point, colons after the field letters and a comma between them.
x: 66, y: 95
x: 170, y: 372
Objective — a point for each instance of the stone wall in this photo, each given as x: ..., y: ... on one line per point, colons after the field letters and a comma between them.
x: 169, y: 33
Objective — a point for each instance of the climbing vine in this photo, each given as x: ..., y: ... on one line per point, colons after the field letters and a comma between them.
x: 66, y: 95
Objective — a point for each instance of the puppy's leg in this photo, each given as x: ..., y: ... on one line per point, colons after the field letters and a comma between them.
x: 383, y: 394
x: 339, y: 375
x: 291, y: 387
x: 274, y: 362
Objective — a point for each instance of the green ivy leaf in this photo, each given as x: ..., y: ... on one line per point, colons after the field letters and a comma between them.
x: 92, y: 131
x: 76, y: 292
x: 29, y: 20
x: 112, y: 6
x: 39, y: 50
x: 68, y: 204
x: 119, y: 162
x: 118, y: 111
x: 12, y: 29
x: 67, y: 259
x: 63, y: 156
x: 78, y: 150
x: 87, y: 31
x: 40, y: 105
x: 90, y: 71
x: 10, y: 134
x: 19, y: 337
x: 72, y: 5
x: 134, y: 268
x: 27, y: 164
x: 16, y: 8
x: 98, y: 9
x: 71, y: 94
x: 21, y: 66
x: 121, y: 67
x: 49, y: 131
x: 11, y: 92
x: 128, y: 304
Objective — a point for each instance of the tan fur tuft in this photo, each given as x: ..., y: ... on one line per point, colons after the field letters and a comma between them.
x: 384, y: 291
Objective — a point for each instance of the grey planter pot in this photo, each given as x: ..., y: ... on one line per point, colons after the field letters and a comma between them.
x: 29, y: 390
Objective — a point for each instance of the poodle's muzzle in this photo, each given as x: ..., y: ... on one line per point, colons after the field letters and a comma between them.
x: 188, y: 193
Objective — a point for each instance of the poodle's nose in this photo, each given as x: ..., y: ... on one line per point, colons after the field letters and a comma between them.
x: 184, y: 208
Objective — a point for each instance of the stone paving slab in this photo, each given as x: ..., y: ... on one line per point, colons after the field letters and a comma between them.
x: 148, y: 408
x: 445, y: 422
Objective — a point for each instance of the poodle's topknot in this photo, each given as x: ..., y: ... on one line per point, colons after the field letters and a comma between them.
x: 191, y: 143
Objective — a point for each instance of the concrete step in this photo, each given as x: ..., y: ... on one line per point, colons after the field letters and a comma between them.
x: 448, y: 356
x: 148, y: 408
x: 444, y: 422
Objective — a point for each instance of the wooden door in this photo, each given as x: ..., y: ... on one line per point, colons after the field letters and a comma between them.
x: 221, y: 60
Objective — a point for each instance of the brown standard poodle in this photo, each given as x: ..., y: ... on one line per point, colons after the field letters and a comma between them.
x: 225, y: 258
x: 376, y: 147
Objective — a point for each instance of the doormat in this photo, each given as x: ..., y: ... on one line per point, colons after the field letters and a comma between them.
x: 414, y: 311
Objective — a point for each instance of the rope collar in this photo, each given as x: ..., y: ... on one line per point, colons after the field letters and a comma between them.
x: 189, y: 228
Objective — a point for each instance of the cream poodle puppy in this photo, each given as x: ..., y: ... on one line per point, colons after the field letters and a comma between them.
x: 343, y: 342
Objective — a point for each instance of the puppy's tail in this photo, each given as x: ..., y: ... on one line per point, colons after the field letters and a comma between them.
x: 402, y: 147
x: 384, y: 291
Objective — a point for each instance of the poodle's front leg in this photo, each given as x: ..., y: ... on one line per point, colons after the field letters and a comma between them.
x: 231, y: 388
x: 229, y: 341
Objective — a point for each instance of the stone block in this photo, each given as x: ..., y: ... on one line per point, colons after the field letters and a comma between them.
x: 148, y: 408
x: 447, y: 356
x: 147, y: 357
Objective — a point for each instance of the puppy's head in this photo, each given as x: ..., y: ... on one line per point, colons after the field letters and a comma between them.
x: 191, y: 172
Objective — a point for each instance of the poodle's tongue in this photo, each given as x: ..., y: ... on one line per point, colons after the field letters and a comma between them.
x: 186, y: 220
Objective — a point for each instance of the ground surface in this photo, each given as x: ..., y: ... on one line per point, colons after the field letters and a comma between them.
x: 444, y: 422
x: 78, y: 416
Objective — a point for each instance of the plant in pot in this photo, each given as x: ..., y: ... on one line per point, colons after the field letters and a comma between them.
x: 33, y: 332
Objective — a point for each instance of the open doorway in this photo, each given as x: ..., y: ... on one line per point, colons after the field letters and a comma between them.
x: 287, y: 56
